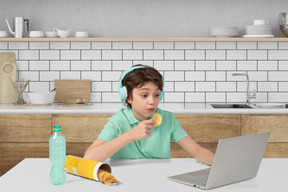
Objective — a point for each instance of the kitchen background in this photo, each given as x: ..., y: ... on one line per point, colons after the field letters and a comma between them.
x: 194, y: 71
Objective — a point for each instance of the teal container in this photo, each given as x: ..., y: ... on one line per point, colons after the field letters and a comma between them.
x: 57, y: 156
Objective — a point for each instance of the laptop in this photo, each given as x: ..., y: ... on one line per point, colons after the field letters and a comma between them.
x: 236, y: 159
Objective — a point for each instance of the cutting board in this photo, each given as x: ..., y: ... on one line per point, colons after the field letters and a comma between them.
x: 70, y: 90
x: 7, y: 76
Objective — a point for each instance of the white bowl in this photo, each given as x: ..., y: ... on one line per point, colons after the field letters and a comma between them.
x: 36, y: 34
x: 50, y: 34
x: 41, y: 97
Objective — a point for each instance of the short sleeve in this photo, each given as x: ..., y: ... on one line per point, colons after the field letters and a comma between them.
x: 177, y: 132
x: 109, y: 132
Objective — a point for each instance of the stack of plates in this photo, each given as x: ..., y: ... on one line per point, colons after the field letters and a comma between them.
x: 259, y: 31
x: 224, y: 31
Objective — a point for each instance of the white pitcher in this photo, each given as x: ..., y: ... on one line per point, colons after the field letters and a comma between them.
x: 18, y: 27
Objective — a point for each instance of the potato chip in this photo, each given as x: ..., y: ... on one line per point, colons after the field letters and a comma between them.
x: 158, y: 119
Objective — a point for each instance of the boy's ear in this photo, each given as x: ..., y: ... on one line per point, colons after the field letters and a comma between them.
x: 129, y: 99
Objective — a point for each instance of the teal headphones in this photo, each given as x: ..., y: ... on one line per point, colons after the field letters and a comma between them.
x: 122, y: 89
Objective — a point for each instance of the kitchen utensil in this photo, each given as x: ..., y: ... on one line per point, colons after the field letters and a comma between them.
x: 41, y: 97
x: 36, y: 34
x: 53, y: 90
x: 3, y: 34
x: 70, y: 90
x: 50, y: 34
x: 224, y: 31
x: 81, y: 34
x: 18, y: 27
x: 62, y: 33
x: 19, y: 88
x: 7, y: 76
x: 283, y: 21
x: 260, y: 22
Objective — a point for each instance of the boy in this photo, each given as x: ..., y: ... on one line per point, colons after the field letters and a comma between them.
x: 130, y: 134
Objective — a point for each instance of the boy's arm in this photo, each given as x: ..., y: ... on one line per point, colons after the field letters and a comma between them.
x: 101, y: 150
x: 194, y: 149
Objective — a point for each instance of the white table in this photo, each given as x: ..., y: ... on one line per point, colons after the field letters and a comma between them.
x: 139, y: 176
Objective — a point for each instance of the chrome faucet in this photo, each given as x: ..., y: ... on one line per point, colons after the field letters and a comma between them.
x: 249, y: 94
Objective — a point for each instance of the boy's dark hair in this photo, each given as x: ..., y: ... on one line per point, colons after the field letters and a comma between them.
x: 138, y: 77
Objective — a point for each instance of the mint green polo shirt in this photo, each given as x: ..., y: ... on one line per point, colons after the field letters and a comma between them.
x: 156, y: 146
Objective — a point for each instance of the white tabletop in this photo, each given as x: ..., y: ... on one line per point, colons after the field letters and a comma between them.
x: 140, y: 175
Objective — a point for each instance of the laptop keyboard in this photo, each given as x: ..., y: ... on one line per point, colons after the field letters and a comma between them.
x: 202, y: 180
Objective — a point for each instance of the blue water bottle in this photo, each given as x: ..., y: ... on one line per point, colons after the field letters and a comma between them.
x: 57, y: 156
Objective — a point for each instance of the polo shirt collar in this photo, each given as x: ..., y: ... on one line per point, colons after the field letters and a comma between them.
x: 131, y: 118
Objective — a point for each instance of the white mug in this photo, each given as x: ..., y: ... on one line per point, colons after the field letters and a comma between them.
x: 3, y: 33
x: 81, y: 34
x: 62, y: 33
x: 260, y: 22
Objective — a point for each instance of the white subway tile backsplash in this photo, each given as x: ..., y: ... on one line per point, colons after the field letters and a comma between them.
x: 194, y: 75
x: 205, y: 65
x: 49, y: 55
x: 38, y: 45
x: 174, y: 75
x: 184, y: 45
x: 101, y: 45
x: 173, y: 54
x: 246, y: 45
x: 39, y: 86
x: 194, y: 97
x: 111, y: 75
x: 60, y: 65
x: 142, y: 45
x: 101, y: 86
x: 18, y: 45
x: 215, y: 55
x: 92, y: 75
x: 49, y: 75
x: 70, y: 75
x: 80, y: 65
x: 121, y: 45
x: 184, y: 86
x: 28, y: 55
x: 132, y: 54
x: 29, y: 75
x: 60, y: 45
x: 193, y: 71
x: 164, y: 65
x: 3, y: 45
x: 267, y: 65
x: 205, y: 86
x: 268, y: 86
x: 205, y: 45
x: 121, y: 65
x: 278, y: 54
x: 70, y: 54
x: 90, y: 54
x: 236, y: 55
x: 153, y: 55
x: 267, y: 45
x: 194, y: 54
x: 225, y: 45
x: 112, y: 54
x: 257, y: 55
x: 278, y: 76
x: 39, y: 65
x: 163, y: 45
x: 215, y: 76
x: 247, y: 65
x: 225, y: 65
x: 216, y: 97
x: 173, y: 97
x: 184, y: 65
x: 80, y: 45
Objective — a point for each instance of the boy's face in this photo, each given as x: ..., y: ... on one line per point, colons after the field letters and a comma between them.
x: 145, y: 101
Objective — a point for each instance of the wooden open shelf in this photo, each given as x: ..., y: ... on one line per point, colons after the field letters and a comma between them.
x: 146, y: 39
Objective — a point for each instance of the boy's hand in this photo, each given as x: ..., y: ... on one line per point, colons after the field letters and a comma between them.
x: 142, y: 130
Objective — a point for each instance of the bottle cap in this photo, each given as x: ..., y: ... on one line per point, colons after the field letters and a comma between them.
x: 57, y: 128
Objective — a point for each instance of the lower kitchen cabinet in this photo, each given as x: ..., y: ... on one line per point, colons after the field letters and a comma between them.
x: 27, y: 135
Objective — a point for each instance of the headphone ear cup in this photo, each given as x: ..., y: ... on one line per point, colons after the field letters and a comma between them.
x: 122, y: 93
x: 161, y: 95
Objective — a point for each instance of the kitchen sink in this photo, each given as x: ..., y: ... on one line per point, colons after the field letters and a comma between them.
x: 231, y: 106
